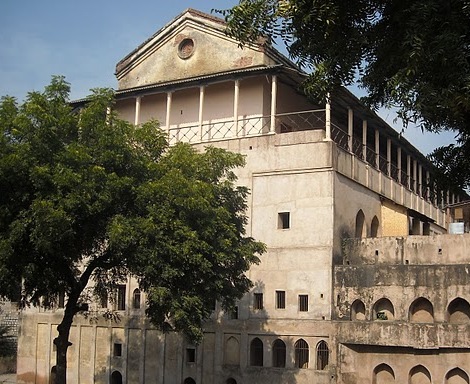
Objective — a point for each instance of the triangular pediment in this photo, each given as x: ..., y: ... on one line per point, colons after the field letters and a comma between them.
x: 193, y: 44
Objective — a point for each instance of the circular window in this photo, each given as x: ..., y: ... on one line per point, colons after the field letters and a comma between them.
x: 186, y: 48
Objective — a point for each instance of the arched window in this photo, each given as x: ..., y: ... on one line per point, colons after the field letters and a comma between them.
x: 231, y: 381
x: 256, y: 353
x: 301, y: 354
x: 279, y: 354
x: 421, y: 311
x: 419, y: 375
x: 457, y: 376
x: 383, y: 374
x: 189, y: 380
x: 136, y: 299
x: 358, y: 310
x: 383, y: 310
x: 374, y: 227
x: 116, y: 377
x: 360, y: 227
x: 232, y: 351
x: 458, y: 311
x: 323, y: 355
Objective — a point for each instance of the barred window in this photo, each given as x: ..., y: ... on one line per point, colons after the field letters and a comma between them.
x: 323, y: 355
x: 303, y: 303
x: 121, y: 297
x: 301, y: 354
x: 258, y: 301
x: 280, y: 299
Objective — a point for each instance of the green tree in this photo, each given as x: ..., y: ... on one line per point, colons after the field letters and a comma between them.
x: 412, y: 55
x: 88, y: 199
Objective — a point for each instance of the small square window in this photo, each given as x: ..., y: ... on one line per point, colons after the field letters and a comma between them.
x: 303, y: 303
x: 280, y: 299
x: 117, y: 350
x: 283, y: 221
x: 258, y: 301
x: 190, y: 355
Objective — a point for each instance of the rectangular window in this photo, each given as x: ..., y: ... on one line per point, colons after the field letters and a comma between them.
x: 117, y: 349
x: 190, y: 355
x: 258, y: 301
x: 104, y: 300
x: 280, y: 299
x: 121, y: 297
x: 234, y: 313
x: 283, y: 221
x: 303, y: 303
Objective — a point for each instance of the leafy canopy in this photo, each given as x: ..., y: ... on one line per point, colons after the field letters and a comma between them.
x: 412, y: 55
x: 87, y: 197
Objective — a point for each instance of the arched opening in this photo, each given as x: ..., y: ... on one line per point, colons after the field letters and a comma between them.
x: 323, y: 356
x: 458, y: 311
x: 419, y: 375
x: 136, y: 299
x: 256, y: 353
x: 360, y: 227
x: 358, y: 310
x: 189, y: 380
x: 383, y: 374
x: 301, y: 354
x: 232, y: 351
x: 279, y: 354
x: 457, y: 376
x: 116, y: 377
x: 231, y: 380
x: 383, y: 310
x: 374, y: 227
x: 421, y: 311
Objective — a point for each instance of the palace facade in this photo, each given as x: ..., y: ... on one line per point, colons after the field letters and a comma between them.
x: 360, y: 282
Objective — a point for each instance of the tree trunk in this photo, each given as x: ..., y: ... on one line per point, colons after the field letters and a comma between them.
x: 62, y: 342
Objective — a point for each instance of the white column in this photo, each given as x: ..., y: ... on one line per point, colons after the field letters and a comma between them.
x: 420, y: 180
x: 350, y: 129
x: 389, y: 157
x: 272, y: 128
x: 201, y: 110
x: 137, y: 110
x: 169, y: 96
x: 415, y: 176
x: 236, y: 97
x: 364, y: 140
x: 377, y: 149
x: 428, y: 188
x: 408, y: 170
x: 328, y: 118
x: 399, y: 163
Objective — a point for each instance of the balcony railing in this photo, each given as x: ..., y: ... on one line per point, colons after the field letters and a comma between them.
x: 227, y: 129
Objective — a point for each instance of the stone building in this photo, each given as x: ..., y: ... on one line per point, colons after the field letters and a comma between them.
x: 390, y: 306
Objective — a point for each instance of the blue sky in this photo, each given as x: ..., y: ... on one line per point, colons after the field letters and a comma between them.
x: 83, y: 40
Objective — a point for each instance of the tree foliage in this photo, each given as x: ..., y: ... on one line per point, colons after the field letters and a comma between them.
x: 411, y: 55
x: 88, y: 199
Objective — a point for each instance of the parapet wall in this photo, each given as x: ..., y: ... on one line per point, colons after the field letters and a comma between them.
x: 410, y: 250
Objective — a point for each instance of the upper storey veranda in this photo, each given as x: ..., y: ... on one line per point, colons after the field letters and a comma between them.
x: 203, y: 88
